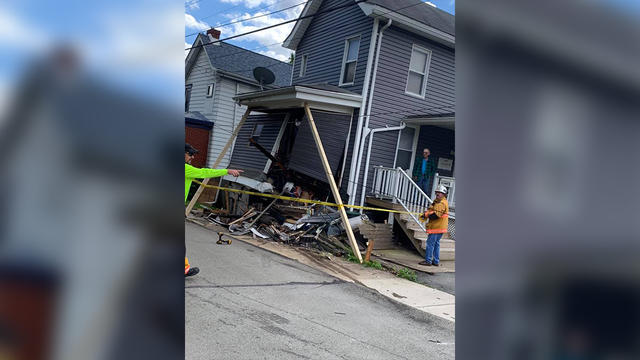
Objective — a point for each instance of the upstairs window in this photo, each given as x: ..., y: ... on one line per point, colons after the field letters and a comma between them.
x: 350, y: 60
x: 187, y: 97
x: 418, y: 70
x: 303, y: 65
x: 210, y: 89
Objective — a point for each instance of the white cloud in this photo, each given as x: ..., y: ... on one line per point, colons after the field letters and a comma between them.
x: 250, y: 4
x: 192, y: 4
x: 17, y: 32
x: 192, y: 23
x: 266, y: 37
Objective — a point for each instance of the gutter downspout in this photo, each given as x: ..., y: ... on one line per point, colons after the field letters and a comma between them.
x: 370, y: 95
x: 366, y: 166
x: 361, y: 111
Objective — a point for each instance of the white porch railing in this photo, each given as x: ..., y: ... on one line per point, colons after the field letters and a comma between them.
x: 396, y: 185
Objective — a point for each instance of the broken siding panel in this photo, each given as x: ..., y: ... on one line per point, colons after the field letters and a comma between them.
x: 333, y: 129
x: 324, y: 42
x: 247, y: 156
x: 226, y: 116
x: 200, y: 77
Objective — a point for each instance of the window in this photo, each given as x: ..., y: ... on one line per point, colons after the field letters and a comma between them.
x: 210, y: 90
x: 303, y: 65
x: 418, y: 70
x: 349, y: 61
x: 405, y: 148
x: 187, y: 96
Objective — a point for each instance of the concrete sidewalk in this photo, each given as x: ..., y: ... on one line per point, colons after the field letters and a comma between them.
x: 412, y: 294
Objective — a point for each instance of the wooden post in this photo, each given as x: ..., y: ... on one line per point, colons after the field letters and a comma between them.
x: 192, y: 203
x: 332, y: 183
x: 367, y: 255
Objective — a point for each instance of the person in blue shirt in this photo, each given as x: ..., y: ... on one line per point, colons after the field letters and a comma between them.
x: 423, y: 170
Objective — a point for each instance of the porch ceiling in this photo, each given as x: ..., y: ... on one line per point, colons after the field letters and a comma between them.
x: 294, y: 97
x: 447, y: 122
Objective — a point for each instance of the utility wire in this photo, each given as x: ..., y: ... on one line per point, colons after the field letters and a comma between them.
x: 282, y: 23
x: 239, y: 20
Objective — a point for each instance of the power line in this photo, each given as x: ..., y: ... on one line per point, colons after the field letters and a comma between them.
x: 239, y: 20
x: 282, y: 23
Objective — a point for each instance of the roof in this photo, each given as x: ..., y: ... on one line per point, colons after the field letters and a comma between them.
x: 422, y: 12
x: 319, y: 96
x: 413, y: 15
x: 237, y: 61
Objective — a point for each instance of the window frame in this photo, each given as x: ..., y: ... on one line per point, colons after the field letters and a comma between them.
x: 211, y: 86
x: 304, y: 59
x: 416, y: 136
x: 423, y: 90
x: 344, y: 59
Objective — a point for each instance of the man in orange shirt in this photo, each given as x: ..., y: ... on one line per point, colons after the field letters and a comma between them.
x: 438, y: 215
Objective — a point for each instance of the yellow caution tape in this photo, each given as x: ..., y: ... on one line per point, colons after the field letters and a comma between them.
x: 307, y: 201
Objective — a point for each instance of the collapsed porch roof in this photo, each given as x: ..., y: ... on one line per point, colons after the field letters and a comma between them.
x: 319, y: 97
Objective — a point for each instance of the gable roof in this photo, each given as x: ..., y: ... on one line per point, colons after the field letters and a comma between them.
x: 420, y: 11
x: 413, y: 15
x: 239, y: 63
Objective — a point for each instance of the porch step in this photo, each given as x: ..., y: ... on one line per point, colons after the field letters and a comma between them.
x: 381, y: 234
x: 419, y: 238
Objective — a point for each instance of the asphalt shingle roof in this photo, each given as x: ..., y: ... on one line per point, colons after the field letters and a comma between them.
x: 241, y: 61
x: 422, y: 12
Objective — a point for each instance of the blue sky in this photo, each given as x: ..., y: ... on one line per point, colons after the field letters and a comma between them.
x: 201, y: 15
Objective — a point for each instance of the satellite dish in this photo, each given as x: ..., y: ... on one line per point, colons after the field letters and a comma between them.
x: 264, y: 76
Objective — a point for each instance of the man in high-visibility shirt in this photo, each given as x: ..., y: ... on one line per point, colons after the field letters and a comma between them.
x: 191, y: 173
x: 438, y: 215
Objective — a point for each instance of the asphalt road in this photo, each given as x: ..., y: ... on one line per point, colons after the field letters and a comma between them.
x: 248, y: 303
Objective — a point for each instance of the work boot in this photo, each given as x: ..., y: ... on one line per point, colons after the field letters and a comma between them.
x: 424, y: 263
x: 192, y: 271
x: 434, y: 264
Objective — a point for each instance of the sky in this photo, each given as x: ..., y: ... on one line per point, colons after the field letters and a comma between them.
x: 201, y: 15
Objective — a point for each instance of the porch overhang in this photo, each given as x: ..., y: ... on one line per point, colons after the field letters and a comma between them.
x: 447, y: 121
x: 294, y: 97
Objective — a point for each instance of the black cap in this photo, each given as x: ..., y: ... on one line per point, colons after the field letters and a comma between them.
x: 190, y: 149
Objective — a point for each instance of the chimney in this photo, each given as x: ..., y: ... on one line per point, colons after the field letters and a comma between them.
x: 214, y: 35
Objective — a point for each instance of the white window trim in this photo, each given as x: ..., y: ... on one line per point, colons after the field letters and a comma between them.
x: 304, y: 60
x: 344, y: 59
x: 423, y: 93
x: 416, y: 135
x: 211, y: 86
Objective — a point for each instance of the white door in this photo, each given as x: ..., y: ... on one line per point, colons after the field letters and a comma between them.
x: 406, y: 148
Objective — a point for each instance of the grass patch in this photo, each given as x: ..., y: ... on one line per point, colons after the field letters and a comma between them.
x: 352, y: 257
x: 373, y: 264
x: 407, y: 274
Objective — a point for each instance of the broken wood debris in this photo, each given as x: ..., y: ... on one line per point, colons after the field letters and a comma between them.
x: 314, y: 226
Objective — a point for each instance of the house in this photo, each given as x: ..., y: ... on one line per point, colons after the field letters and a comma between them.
x: 379, y: 77
x: 215, y: 72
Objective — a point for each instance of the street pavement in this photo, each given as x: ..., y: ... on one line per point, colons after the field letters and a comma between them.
x: 248, y: 303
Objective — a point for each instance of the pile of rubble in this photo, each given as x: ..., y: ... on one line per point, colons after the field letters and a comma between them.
x: 312, y: 226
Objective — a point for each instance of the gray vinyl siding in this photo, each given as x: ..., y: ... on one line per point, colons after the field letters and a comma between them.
x: 333, y: 130
x: 391, y: 105
x: 324, y: 43
x: 248, y: 157
x: 345, y: 180
x: 200, y: 77
x: 226, y: 115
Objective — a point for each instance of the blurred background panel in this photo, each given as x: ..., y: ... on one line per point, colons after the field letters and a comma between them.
x: 91, y: 214
x: 548, y: 202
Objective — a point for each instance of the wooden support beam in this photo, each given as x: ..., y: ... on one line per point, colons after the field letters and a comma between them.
x: 332, y: 183
x: 193, y: 201
x: 367, y: 255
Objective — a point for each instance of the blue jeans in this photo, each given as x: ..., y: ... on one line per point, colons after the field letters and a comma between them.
x: 433, y: 248
x: 423, y: 182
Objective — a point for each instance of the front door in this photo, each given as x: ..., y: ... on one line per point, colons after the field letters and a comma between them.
x: 406, y: 149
